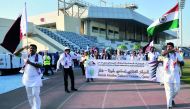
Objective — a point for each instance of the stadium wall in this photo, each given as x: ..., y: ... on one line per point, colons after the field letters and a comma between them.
x: 61, y: 22
x: 101, y: 29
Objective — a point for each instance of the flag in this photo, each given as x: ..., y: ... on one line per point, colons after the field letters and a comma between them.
x: 170, y: 20
x: 15, y: 34
x: 147, y: 47
x: 24, y: 23
x: 151, y: 44
x: 12, y: 37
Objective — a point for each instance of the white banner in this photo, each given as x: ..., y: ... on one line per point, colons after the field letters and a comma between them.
x: 121, y: 70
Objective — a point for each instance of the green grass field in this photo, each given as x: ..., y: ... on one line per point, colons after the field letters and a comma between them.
x: 186, y: 72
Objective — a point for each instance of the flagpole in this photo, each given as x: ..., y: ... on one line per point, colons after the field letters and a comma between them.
x: 26, y: 25
x: 180, y: 25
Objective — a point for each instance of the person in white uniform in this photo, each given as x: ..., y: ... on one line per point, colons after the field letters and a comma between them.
x: 153, y: 55
x: 32, y: 75
x: 65, y: 60
x: 171, y: 64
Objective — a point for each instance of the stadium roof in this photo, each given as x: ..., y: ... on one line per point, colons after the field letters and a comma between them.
x: 118, y: 13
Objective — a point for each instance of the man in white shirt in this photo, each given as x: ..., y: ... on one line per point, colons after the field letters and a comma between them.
x: 32, y: 75
x: 172, y: 74
x: 153, y: 55
x: 65, y: 60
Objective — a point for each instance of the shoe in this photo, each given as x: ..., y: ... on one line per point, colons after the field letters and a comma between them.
x: 73, y: 89
x: 87, y: 80
x: 173, y: 103
x: 169, y: 108
x: 67, y: 91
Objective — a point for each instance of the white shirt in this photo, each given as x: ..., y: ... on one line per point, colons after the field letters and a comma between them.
x: 128, y: 57
x: 133, y: 58
x: 140, y: 57
x: 65, y: 60
x: 113, y: 57
x: 153, y: 56
x: 171, y: 74
x: 120, y: 57
x: 32, y: 75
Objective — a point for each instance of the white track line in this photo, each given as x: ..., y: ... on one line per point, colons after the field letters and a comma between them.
x: 141, y: 96
x: 61, y: 105
x: 104, y: 100
x: 40, y: 94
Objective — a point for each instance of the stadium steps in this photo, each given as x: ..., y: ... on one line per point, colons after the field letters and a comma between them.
x: 57, y: 39
x: 79, y: 40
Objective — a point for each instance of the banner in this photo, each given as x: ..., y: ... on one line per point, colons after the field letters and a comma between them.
x: 121, y: 70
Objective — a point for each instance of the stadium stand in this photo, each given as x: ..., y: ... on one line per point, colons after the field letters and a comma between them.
x: 58, y: 38
x: 72, y: 40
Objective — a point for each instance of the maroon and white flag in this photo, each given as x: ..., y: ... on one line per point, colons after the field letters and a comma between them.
x: 16, y: 33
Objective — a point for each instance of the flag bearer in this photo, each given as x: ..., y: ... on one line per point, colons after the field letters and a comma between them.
x: 171, y: 74
x: 32, y: 75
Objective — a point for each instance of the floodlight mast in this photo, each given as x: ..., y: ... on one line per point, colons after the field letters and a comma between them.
x: 181, y: 7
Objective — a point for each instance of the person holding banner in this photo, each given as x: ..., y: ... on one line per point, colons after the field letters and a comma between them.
x: 82, y: 60
x: 141, y: 56
x: 171, y: 65
x: 32, y: 75
x: 133, y: 56
x: 86, y: 62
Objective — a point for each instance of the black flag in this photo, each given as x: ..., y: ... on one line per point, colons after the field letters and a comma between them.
x: 12, y: 38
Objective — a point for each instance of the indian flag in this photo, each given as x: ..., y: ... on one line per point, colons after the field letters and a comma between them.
x: 169, y: 20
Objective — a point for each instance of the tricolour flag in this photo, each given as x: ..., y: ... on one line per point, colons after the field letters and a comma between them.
x: 170, y: 20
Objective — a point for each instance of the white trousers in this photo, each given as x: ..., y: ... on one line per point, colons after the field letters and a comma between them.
x: 33, y: 94
x: 171, y: 90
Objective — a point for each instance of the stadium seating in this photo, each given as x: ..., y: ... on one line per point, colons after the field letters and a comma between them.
x: 72, y: 40
x: 80, y: 40
x: 58, y: 38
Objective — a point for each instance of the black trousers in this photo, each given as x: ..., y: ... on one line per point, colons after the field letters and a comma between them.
x: 48, y: 67
x: 82, y: 67
x: 69, y: 72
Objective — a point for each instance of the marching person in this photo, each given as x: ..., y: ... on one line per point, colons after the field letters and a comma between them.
x: 82, y: 60
x: 171, y: 74
x: 141, y: 56
x: 65, y: 60
x: 182, y: 63
x: 153, y: 55
x: 32, y: 75
x: 47, y: 64
x: 85, y: 62
x: 133, y: 56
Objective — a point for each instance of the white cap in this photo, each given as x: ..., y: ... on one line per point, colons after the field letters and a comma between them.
x: 86, y: 51
x: 180, y: 49
x: 67, y: 48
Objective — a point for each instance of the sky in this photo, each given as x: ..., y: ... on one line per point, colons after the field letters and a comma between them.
x: 152, y: 9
